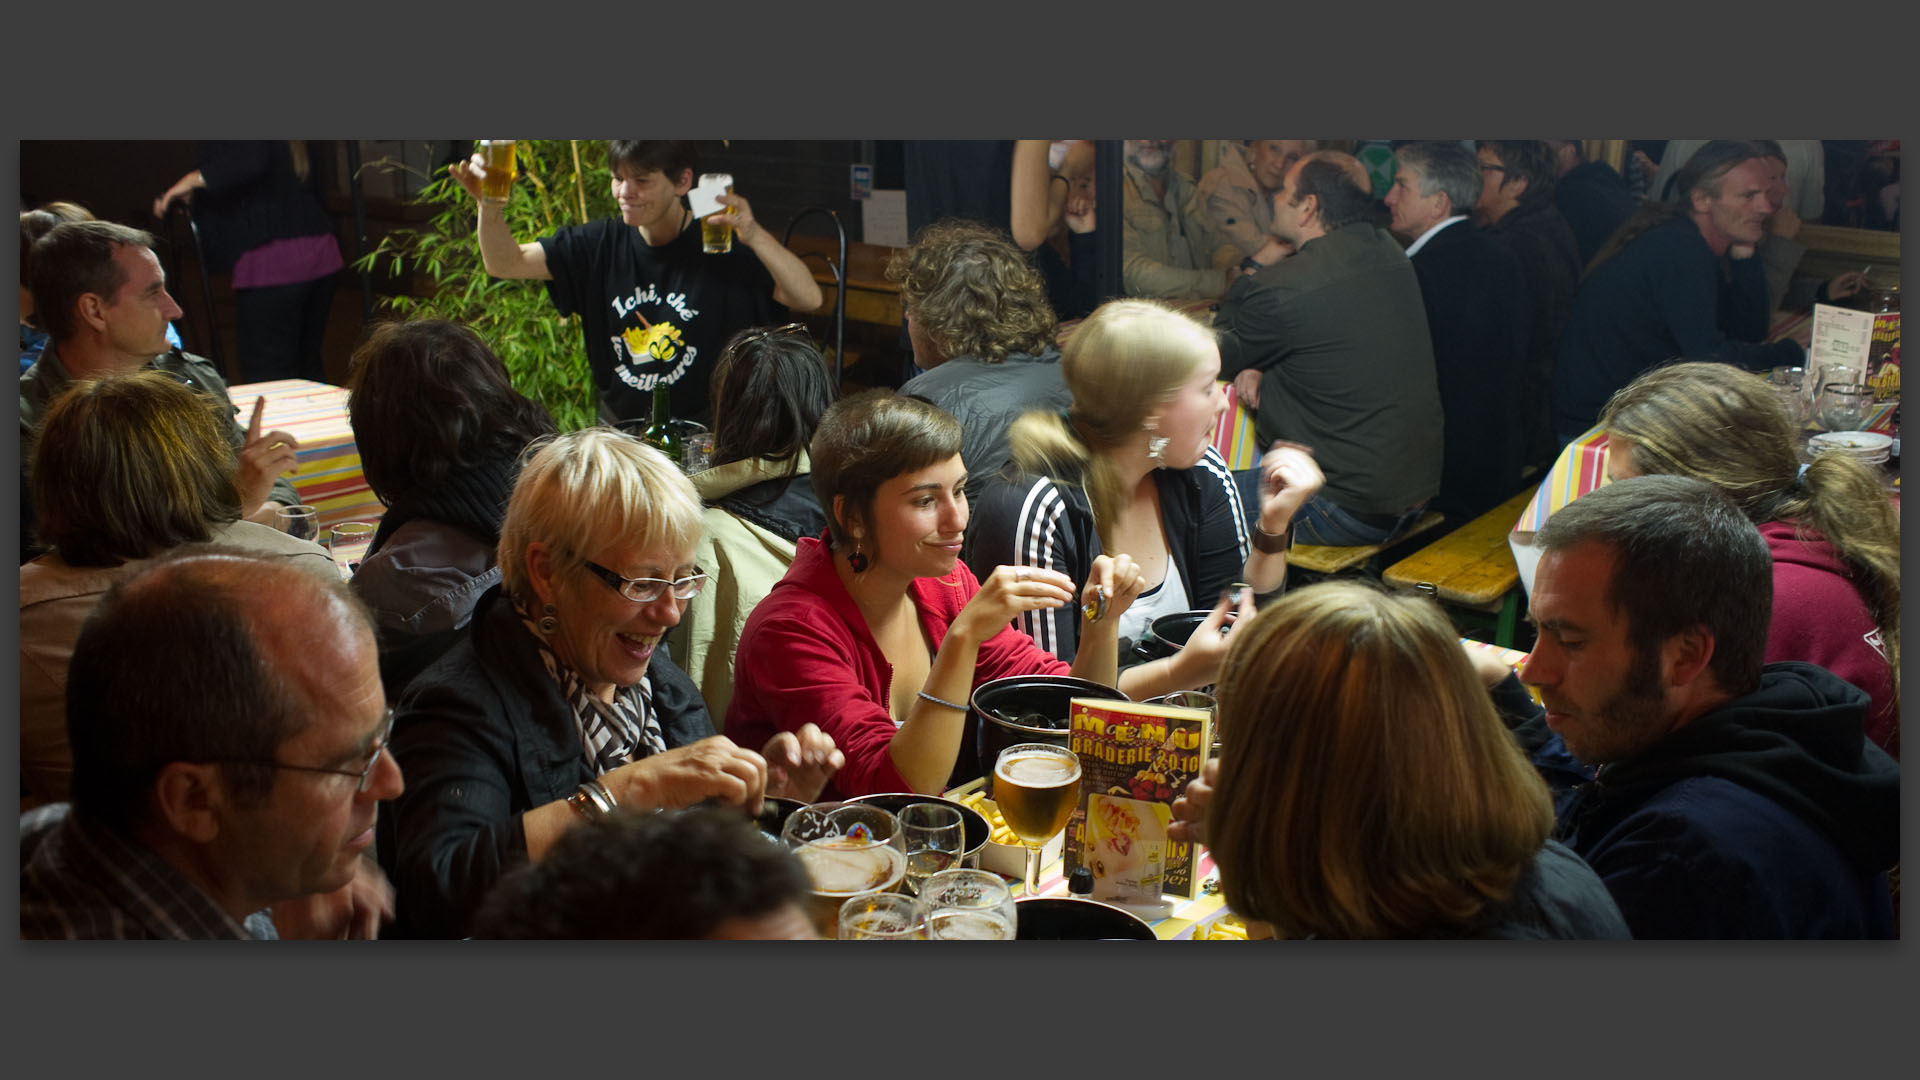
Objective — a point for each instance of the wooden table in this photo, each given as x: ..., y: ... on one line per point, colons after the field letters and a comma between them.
x: 1473, y: 566
x: 871, y: 298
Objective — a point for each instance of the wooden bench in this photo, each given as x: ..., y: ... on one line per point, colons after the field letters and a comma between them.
x: 1328, y: 559
x: 1472, y: 567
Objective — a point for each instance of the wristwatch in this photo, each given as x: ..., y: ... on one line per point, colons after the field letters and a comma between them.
x: 1247, y: 265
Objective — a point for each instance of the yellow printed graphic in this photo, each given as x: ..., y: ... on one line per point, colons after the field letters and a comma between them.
x: 661, y: 341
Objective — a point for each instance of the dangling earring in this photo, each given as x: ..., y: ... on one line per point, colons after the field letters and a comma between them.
x: 858, y: 560
x: 1157, y: 448
x: 548, y: 624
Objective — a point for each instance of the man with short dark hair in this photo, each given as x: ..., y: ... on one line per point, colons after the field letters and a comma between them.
x: 101, y: 295
x: 1238, y: 194
x: 1329, y: 348
x: 1592, y: 197
x: 1166, y: 244
x: 1654, y: 293
x: 1715, y: 796
x: 702, y: 873
x: 1516, y: 208
x: 1475, y: 300
x: 229, y: 739
x: 653, y: 306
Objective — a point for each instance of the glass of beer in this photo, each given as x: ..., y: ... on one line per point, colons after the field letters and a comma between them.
x: 716, y: 237
x: 1036, y: 786
x: 849, y: 850
x: 497, y: 156
x: 936, y: 837
x: 968, y: 905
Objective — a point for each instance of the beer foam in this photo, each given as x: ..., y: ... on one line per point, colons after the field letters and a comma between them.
x: 1038, y: 770
x: 840, y: 866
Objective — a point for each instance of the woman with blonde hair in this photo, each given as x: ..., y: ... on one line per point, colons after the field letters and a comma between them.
x: 123, y: 469
x: 1366, y: 788
x: 559, y: 704
x: 1130, y: 468
x: 1831, y: 529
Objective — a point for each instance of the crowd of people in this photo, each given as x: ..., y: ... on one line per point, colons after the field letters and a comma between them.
x: 550, y: 700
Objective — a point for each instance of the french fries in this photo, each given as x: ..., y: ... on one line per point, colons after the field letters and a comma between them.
x: 1228, y: 927
x: 978, y: 802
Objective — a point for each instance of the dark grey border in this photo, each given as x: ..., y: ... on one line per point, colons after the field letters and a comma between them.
x: 976, y: 71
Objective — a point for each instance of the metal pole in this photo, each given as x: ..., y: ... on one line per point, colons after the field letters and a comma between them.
x: 360, y: 232
x: 1106, y: 235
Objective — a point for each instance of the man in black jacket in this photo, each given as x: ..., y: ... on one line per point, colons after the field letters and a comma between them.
x: 1717, y: 798
x: 1518, y: 209
x: 1475, y: 300
x: 1329, y: 348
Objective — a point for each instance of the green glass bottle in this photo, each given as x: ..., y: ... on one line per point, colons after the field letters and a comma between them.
x: 662, y: 433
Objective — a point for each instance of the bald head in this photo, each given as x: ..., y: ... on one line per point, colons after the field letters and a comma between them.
x: 202, y: 654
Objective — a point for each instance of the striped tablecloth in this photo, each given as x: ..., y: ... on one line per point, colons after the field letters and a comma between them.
x: 328, y: 476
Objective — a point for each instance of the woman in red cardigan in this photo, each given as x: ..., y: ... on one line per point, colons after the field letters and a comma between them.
x: 878, y: 633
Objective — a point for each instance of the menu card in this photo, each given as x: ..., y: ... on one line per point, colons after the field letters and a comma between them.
x: 1840, y: 336
x: 1135, y: 759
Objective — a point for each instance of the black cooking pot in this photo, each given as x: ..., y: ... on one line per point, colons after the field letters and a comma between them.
x: 1064, y: 918
x: 1024, y: 708
x: 974, y: 827
x: 1167, y: 635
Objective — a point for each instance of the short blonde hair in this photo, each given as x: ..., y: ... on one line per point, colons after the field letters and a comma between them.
x: 589, y: 487
x: 1367, y: 787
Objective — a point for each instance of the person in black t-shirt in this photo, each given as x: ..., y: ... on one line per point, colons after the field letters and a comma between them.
x: 652, y: 305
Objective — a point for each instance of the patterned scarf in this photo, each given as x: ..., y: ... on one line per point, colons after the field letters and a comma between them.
x: 611, y: 733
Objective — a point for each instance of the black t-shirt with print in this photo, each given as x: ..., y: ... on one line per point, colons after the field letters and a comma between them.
x: 650, y: 313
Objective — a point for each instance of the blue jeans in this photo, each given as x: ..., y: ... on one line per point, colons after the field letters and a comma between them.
x: 1320, y: 521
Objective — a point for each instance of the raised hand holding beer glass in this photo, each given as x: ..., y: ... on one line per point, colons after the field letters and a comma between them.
x: 1036, y: 786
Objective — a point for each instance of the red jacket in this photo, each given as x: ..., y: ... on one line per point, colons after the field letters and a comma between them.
x: 806, y: 655
x: 1819, y: 617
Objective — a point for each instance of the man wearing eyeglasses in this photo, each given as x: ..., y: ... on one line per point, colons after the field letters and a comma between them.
x: 229, y: 756
x: 101, y: 295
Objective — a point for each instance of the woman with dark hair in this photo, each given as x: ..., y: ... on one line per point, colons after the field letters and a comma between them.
x: 1832, y: 531
x: 879, y: 633
x: 440, y: 430
x: 770, y: 388
x: 1366, y: 788
x: 123, y: 469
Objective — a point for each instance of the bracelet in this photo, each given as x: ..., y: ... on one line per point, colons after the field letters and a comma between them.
x: 601, y: 795
x: 582, y: 803
x: 1272, y: 543
x: 1062, y: 179
x: 942, y: 701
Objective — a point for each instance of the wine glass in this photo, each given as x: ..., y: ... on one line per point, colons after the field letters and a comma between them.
x: 849, y: 850
x: 1788, y: 384
x: 936, y: 836
x: 968, y: 905
x: 1036, y: 786
x: 349, y: 542
x: 300, y: 522
x: 881, y: 917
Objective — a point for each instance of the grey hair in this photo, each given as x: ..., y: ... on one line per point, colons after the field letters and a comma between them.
x: 1445, y: 166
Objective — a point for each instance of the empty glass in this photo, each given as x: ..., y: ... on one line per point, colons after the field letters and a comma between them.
x: 968, y: 905
x: 349, y: 541
x: 1844, y: 406
x: 300, y: 522
x: 1789, y: 384
x: 881, y: 917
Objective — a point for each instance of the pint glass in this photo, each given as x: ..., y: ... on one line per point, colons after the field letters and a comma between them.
x: 716, y: 238
x: 497, y: 156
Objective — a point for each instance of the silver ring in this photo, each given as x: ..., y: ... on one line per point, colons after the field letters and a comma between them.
x: 1020, y: 574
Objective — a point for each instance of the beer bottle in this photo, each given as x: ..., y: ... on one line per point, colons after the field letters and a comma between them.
x: 661, y: 433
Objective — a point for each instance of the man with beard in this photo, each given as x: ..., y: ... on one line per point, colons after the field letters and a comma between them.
x: 1166, y: 247
x: 1715, y: 796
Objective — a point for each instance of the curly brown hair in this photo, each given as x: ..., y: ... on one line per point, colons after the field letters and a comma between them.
x: 973, y: 292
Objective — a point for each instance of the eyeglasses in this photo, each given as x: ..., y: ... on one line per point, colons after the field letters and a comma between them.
x: 778, y: 331
x: 645, y: 590
x: 363, y: 775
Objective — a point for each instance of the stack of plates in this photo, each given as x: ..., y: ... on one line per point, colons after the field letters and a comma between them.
x: 1868, y: 447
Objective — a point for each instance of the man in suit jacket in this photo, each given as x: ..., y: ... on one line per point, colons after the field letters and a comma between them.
x: 1475, y: 297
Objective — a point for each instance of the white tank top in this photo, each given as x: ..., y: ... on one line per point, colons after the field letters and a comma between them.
x: 1168, y: 598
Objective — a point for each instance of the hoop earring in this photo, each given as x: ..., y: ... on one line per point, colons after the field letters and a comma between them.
x: 1157, y: 448
x: 858, y: 560
x: 548, y: 624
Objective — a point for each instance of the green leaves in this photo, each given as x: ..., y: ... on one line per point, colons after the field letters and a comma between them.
x: 541, y: 349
